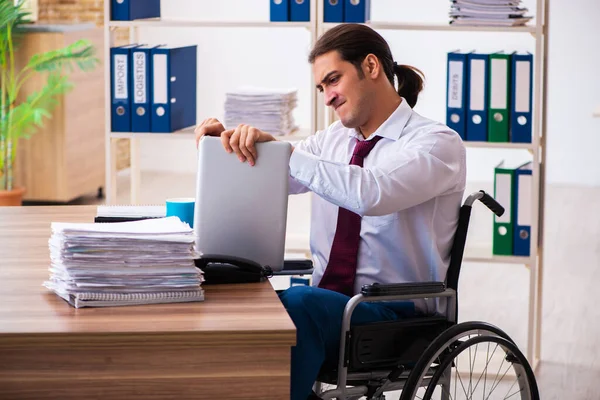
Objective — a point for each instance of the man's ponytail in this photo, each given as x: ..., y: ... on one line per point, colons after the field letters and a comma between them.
x: 410, y: 82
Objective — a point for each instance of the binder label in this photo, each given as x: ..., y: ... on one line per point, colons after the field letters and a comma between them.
x: 523, y: 86
x: 160, y: 78
x: 525, y: 184
x: 120, y: 74
x: 477, y: 86
x: 499, y: 92
x: 139, y: 77
x: 456, y: 83
x: 503, y: 193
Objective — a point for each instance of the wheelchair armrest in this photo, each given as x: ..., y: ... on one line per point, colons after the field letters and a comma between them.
x: 400, y: 289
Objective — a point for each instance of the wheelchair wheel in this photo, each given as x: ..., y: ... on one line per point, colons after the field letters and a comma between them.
x: 471, y: 360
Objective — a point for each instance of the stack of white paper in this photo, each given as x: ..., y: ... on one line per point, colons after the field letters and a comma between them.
x: 488, y: 13
x: 269, y: 110
x: 141, y: 262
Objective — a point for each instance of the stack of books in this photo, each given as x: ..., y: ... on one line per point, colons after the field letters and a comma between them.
x: 269, y: 110
x: 126, y: 263
x: 488, y: 13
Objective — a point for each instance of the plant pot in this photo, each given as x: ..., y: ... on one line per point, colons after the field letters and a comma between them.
x: 12, y: 197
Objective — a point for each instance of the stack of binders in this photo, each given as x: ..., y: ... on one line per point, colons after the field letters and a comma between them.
x: 153, y: 88
x: 126, y: 263
x: 513, y: 187
x: 489, y: 96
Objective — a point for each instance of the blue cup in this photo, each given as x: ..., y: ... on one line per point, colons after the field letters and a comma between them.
x: 182, y: 208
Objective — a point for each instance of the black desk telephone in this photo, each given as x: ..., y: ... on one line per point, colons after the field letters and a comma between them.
x: 228, y: 269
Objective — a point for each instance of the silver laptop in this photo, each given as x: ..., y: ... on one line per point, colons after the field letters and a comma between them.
x: 241, y: 211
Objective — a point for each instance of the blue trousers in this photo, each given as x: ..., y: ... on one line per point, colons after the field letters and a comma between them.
x: 317, y: 314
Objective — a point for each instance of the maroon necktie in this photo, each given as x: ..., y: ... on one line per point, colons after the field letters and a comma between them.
x: 341, y: 269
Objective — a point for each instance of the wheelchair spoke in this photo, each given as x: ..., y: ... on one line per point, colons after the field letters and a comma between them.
x: 461, y: 382
x: 470, y: 376
x: 497, y: 374
x: 488, y: 358
x: 472, y: 365
x: 486, y: 368
x: 517, y: 392
x: 509, y: 389
x: 500, y: 380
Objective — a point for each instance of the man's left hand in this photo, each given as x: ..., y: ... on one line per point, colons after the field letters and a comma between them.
x: 241, y: 140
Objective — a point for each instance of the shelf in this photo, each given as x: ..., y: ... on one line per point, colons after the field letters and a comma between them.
x: 206, y: 24
x: 440, y: 27
x: 484, y: 254
x: 494, y: 145
x: 188, y: 134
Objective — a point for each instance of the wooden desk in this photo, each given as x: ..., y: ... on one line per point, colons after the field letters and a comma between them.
x: 234, y: 345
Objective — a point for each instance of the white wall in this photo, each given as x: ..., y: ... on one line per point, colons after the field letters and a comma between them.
x: 276, y: 57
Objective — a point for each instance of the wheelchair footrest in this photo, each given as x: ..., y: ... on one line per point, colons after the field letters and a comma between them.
x: 392, y: 344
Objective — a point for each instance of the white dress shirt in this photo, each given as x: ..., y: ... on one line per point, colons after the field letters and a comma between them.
x: 408, y: 193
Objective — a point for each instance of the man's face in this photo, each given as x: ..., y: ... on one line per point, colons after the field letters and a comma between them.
x: 344, y: 90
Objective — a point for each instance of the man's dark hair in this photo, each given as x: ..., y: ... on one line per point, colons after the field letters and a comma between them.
x: 354, y: 42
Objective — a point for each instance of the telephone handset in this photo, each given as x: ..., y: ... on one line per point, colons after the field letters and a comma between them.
x: 229, y: 269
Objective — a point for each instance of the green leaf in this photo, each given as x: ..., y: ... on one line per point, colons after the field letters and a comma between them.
x: 12, y: 16
x: 29, y: 115
x: 82, y: 53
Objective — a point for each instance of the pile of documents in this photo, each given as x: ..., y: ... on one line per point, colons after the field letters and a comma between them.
x: 125, y: 263
x: 269, y: 110
x: 488, y: 13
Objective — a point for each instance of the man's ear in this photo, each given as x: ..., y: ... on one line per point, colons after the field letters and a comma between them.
x: 371, y: 66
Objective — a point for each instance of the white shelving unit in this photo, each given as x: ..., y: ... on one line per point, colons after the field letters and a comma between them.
x: 534, y: 263
x: 188, y: 133
x: 321, y: 117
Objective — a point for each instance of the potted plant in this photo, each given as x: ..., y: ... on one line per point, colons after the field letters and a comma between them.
x: 21, y: 119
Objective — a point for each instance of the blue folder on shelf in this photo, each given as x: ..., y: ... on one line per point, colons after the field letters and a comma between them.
x: 478, y: 89
x: 280, y: 10
x: 521, y: 98
x: 333, y: 11
x: 300, y: 10
x: 120, y: 77
x: 357, y: 11
x: 457, y: 95
x: 523, y: 189
x: 129, y: 10
x: 140, y: 88
x: 173, y: 88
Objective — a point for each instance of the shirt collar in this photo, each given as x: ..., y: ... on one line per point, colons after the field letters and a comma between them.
x: 392, y: 127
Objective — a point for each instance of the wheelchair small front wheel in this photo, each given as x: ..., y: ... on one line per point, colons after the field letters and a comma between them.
x: 477, y: 362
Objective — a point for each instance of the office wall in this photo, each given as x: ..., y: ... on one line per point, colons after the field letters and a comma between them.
x: 229, y: 57
x: 71, y: 10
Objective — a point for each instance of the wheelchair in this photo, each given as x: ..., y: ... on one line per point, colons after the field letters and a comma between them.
x: 428, y: 357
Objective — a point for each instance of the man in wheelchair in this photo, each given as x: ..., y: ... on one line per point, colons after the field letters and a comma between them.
x: 389, y: 185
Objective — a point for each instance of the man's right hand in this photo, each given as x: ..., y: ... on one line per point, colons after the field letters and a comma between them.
x: 208, y: 127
